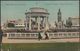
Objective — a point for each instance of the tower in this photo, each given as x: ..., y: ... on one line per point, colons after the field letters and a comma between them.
x: 59, y: 16
x: 59, y: 20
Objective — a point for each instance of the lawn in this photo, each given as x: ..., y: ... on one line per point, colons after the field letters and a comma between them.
x: 42, y: 47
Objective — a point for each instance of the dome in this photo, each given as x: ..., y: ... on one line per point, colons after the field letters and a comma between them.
x: 38, y: 9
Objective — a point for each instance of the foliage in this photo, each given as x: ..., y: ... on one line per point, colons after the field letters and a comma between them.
x: 11, y: 25
x: 69, y: 22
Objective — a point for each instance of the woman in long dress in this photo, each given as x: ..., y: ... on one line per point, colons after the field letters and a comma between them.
x: 46, y: 36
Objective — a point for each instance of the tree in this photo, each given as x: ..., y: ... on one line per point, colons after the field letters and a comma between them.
x: 69, y: 22
x: 11, y: 25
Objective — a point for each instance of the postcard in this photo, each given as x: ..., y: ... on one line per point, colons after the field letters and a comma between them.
x: 40, y: 26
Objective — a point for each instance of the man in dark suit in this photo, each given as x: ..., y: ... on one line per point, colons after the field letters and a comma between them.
x: 39, y: 36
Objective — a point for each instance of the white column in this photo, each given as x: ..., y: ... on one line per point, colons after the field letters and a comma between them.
x: 36, y: 20
x: 43, y: 21
x: 46, y: 19
x: 46, y: 22
x: 26, y: 22
x: 38, y: 23
x: 30, y: 23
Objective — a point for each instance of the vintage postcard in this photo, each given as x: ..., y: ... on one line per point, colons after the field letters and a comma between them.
x: 40, y: 26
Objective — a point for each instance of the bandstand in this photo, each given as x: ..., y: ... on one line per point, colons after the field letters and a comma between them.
x: 37, y: 19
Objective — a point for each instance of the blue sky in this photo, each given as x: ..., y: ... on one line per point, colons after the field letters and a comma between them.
x: 17, y: 9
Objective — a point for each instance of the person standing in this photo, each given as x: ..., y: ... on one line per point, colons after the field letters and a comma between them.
x: 39, y: 36
x: 46, y: 36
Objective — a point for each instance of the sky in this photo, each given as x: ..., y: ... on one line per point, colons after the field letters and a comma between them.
x: 16, y: 9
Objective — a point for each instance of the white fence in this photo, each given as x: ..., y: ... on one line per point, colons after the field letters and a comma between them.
x: 50, y: 35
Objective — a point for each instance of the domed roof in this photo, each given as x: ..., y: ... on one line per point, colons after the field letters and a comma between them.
x: 38, y: 9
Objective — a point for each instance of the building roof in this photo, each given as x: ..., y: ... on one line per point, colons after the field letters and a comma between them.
x: 37, y: 13
x: 38, y: 10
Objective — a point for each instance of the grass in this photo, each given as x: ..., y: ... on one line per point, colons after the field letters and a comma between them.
x: 42, y: 47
